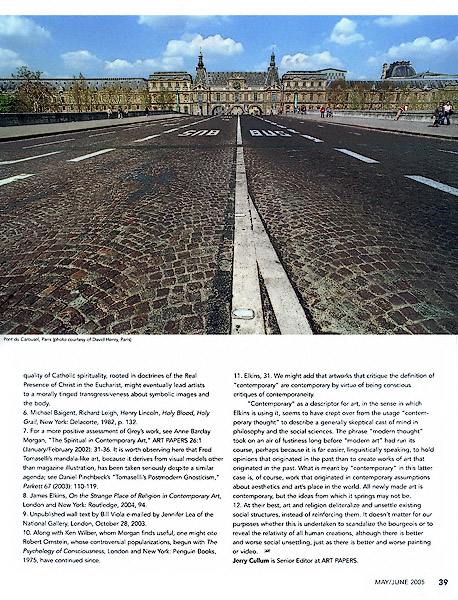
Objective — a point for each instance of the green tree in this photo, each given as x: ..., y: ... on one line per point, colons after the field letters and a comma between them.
x: 165, y: 100
x: 337, y: 93
x: 33, y: 95
x: 7, y: 103
x: 145, y: 99
x: 118, y: 96
x: 386, y: 89
x: 81, y: 94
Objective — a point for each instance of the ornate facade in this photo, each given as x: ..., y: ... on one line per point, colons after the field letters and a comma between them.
x: 237, y: 92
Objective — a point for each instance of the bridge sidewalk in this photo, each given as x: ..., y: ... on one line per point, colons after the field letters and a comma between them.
x: 17, y: 132
x: 423, y: 128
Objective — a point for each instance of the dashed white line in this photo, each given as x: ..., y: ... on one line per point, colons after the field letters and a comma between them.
x: 150, y: 137
x: 355, y: 155
x: 309, y: 137
x: 448, y: 151
x: 97, y: 134
x: 434, y: 184
x: 15, y: 178
x: 91, y: 155
x: 11, y: 162
x: 48, y: 144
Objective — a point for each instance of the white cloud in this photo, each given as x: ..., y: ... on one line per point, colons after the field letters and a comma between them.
x: 344, y: 32
x: 9, y: 61
x: 213, y: 44
x: 439, y: 54
x: 395, y: 20
x: 22, y: 30
x: 81, y: 61
x: 141, y: 68
x: 303, y: 62
x: 424, y: 47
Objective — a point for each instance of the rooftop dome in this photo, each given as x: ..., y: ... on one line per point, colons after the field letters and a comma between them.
x: 401, y: 69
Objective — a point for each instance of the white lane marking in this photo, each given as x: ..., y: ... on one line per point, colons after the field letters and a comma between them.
x: 354, y: 133
x: 48, y: 143
x: 91, y: 155
x: 355, y: 155
x: 108, y: 133
x: 434, y: 184
x: 15, y: 178
x: 246, y: 292
x: 289, y: 313
x: 150, y: 137
x: 309, y: 137
x: 10, y: 162
x: 253, y: 249
x: 239, y: 132
x: 448, y: 151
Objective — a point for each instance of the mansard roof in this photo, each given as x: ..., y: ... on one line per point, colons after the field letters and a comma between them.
x: 222, y: 78
x: 411, y: 82
x: 304, y: 75
x: 61, y: 84
x: 170, y: 75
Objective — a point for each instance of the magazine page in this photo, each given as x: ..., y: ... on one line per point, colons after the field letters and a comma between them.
x: 228, y: 302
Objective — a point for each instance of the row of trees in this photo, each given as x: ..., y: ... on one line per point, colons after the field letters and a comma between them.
x: 386, y: 96
x: 35, y: 95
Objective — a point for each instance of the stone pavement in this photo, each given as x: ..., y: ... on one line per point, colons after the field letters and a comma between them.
x: 400, y: 126
x: 17, y: 132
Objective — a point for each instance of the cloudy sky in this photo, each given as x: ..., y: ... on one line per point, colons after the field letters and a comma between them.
x: 135, y: 46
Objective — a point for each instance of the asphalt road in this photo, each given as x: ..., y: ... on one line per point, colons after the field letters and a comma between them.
x: 130, y: 229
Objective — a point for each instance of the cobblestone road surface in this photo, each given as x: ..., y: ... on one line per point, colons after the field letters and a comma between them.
x: 368, y: 250
x: 135, y: 240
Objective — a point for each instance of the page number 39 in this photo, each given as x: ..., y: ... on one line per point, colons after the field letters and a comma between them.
x: 443, y: 581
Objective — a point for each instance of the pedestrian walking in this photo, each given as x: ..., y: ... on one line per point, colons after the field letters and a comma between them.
x: 448, y: 111
x: 401, y: 111
x: 322, y: 110
x: 146, y: 112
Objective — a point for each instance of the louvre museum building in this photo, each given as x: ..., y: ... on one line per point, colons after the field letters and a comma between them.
x: 232, y: 93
